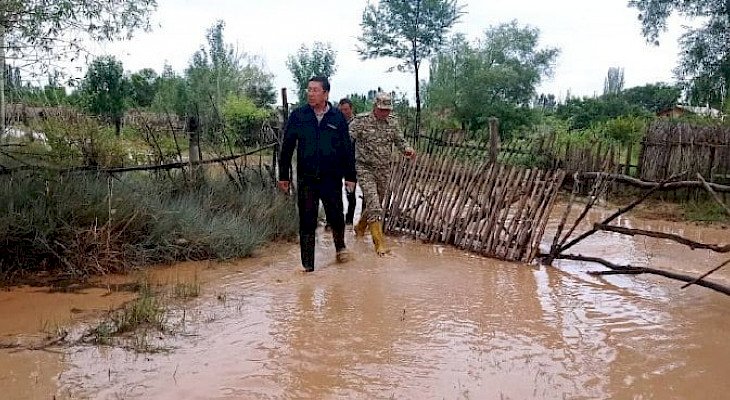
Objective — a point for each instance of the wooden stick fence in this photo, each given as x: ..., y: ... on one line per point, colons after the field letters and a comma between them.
x: 493, y: 209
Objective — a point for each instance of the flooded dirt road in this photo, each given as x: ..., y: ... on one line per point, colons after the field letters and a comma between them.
x: 427, y: 322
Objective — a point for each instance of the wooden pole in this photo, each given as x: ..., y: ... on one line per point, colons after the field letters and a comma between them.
x: 493, y: 139
x: 280, y: 134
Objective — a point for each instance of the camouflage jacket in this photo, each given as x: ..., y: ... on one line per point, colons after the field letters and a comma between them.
x: 374, y: 139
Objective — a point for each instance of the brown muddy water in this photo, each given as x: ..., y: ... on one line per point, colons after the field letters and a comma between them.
x: 427, y: 322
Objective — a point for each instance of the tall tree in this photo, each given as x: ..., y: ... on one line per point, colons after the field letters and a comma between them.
x: 320, y: 60
x: 614, y: 82
x: 408, y: 30
x: 704, y: 65
x: 105, y: 90
x: 496, y: 77
x: 219, y: 70
x: 34, y: 31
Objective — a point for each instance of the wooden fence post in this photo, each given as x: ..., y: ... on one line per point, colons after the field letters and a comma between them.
x: 193, y: 128
x: 493, y: 139
x: 280, y: 135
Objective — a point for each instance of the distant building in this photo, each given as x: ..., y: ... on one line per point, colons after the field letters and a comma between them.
x: 681, y: 110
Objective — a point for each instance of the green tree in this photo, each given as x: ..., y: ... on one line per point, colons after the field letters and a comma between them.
x: 218, y: 70
x: 587, y: 112
x: 704, y: 65
x: 105, y: 90
x: 144, y: 85
x: 495, y: 78
x: 320, y: 60
x: 39, y: 31
x: 408, y: 30
x: 653, y: 97
x: 172, y: 93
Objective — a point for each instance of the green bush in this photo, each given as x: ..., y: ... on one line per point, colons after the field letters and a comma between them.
x: 243, y: 119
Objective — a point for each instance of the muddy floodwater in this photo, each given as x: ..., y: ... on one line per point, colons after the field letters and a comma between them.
x: 427, y: 322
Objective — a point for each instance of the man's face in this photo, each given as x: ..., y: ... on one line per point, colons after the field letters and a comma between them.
x: 316, y: 96
x: 346, y: 110
x: 381, y: 113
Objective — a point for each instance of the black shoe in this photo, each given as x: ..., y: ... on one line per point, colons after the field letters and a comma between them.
x: 348, y: 222
x: 308, y: 269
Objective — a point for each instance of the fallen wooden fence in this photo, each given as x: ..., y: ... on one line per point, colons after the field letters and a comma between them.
x: 562, y: 242
x: 492, y: 209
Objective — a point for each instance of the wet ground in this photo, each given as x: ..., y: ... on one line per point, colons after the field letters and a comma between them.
x: 427, y: 322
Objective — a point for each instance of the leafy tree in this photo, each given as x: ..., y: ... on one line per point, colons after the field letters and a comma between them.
x: 586, y: 112
x: 144, y: 87
x: 172, y: 93
x: 704, y: 65
x: 105, y: 90
x: 495, y: 78
x: 319, y: 61
x: 42, y: 31
x: 408, y: 30
x: 218, y: 71
x: 653, y: 97
x: 614, y: 82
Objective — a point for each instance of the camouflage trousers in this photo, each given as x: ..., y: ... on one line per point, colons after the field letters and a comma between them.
x: 373, y: 183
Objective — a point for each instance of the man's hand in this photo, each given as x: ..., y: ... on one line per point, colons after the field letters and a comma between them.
x: 283, y: 186
x: 410, y: 154
x: 350, y: 187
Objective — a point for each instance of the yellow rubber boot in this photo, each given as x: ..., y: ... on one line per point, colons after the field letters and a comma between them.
x: 376, y: 230
x: 361, y: 227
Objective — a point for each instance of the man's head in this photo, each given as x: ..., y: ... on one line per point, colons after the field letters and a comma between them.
x: 318, y: 91
x: 346, y: 108
x: 382, y: 105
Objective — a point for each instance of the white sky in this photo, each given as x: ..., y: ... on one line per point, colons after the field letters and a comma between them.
x: 593, y: 35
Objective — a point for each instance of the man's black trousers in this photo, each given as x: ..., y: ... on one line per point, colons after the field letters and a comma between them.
x: 351, y: 201
x: 309, y: 193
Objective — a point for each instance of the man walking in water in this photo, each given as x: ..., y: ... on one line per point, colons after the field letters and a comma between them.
x: 324, y: 157
x: 374, y: 135
x: 348, y: 111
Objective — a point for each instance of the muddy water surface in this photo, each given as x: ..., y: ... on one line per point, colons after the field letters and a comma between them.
x: 427, y: 322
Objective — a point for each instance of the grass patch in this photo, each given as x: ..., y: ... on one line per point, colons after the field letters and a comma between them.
x: 704, y: 211
x: 186, y: 290
x: 81, y: 225
x: 147, y: 312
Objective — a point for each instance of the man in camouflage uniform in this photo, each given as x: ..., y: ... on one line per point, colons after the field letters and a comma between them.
x: 374, y: 135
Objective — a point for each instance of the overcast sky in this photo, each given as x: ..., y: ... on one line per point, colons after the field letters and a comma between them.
x: 592, y: 35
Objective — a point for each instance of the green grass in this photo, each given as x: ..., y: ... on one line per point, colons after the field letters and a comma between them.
x: 83, y: 225
x: 146, y: 311
x: 704, y: 211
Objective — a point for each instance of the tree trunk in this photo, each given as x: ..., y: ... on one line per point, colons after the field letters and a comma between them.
x: 418, y: 103
x: 2, y: 81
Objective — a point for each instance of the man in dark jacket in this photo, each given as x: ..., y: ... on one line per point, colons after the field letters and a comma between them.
x: 324, y: 157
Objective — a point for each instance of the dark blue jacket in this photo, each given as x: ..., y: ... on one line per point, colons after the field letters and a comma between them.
x: 324, y: 149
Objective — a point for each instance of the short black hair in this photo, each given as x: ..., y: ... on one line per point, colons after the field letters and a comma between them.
x: 345, y: 101
x: 323, y: 80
